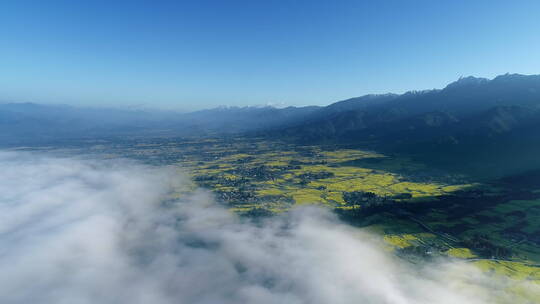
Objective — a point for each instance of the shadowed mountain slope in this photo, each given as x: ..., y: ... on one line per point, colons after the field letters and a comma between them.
x: 473, y: 119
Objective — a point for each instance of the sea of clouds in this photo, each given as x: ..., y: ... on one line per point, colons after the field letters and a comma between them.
x: 94, y: 231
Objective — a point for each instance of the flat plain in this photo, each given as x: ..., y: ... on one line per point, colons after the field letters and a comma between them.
x: 420, y: 213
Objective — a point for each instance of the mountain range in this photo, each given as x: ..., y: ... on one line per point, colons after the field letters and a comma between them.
x: 32, y: 123
x: 480, y: 123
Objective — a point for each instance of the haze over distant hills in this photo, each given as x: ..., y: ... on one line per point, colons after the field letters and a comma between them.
x: 31, y: 123
x: 494, y: 118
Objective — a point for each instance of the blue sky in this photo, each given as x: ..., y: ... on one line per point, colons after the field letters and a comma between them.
x: 197, y: 54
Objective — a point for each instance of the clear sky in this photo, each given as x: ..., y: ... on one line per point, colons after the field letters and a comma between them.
x: 197, y: 54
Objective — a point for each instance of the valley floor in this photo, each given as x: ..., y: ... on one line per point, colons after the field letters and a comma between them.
x: 419, y: 212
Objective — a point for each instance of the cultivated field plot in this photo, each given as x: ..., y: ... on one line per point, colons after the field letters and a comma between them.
x: 276, y: 176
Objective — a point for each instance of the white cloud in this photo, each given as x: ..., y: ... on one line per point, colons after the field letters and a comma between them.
x: 74, y: 231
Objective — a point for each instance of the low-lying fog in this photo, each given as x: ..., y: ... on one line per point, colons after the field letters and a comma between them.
x: 77, y: 231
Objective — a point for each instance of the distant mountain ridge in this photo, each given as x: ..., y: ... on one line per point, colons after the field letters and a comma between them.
x: 461, y: 98
x: 490, y: 125
x: 31, y: 123
x: 442, y: 123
